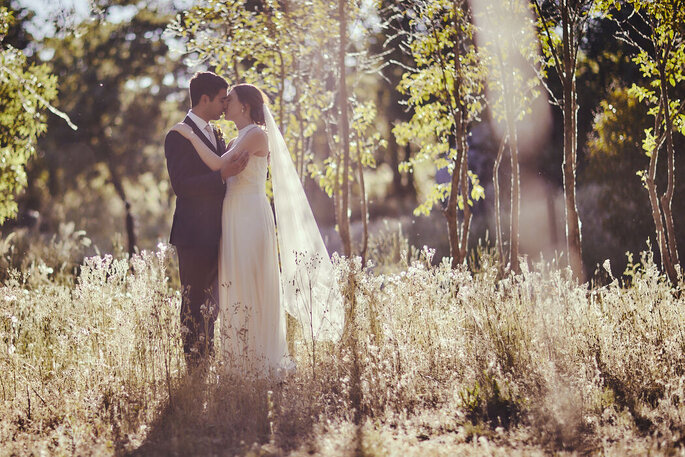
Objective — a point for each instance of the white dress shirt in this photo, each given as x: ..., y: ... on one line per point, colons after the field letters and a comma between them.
x: 204, y: 126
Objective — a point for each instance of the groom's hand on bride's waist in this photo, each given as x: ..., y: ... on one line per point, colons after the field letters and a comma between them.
x: 235, y: 164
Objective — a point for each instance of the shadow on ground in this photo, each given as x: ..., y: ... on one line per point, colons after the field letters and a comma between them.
x: 213, y: 414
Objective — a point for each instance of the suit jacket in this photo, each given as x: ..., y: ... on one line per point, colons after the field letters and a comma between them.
x: 199, y: 190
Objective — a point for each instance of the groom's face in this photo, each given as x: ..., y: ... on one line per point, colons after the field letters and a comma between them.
x: 216, y: 104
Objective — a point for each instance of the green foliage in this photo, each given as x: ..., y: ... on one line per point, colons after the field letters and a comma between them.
x: 26, y: 91
x: 118, y: 82
x: 281, y: 48
x: 550, y: 31
x: 617, y: 127
x: 433, y: 94
x: 365, y: 143
x: 664, y: 60
x: 123, y: 66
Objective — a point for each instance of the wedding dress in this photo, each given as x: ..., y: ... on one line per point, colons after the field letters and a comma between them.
x: 252, y: 319
x: 268, y: 267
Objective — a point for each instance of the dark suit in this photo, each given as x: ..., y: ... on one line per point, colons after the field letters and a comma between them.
x: 196, y: 231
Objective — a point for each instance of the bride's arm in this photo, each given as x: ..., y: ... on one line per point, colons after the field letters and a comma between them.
x: 208, y: 156
x: 231, y: 162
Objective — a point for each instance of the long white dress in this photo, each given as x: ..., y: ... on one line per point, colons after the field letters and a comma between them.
x: 252, y: 327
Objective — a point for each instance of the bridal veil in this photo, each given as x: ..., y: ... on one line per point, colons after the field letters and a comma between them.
x: 310, y: 288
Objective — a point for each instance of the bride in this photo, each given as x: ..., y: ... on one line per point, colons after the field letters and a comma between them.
x: 254, y: 292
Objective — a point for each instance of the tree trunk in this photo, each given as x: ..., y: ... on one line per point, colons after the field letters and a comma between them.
x: 409, y: 188
x: 510, y: 119
x: 130, y: 223
x: 466, y: 222
x: 393, y: 154
x: 236, y: 69
x: 515, y: 203
x: 364, y: 204
x: 451, y: 217
x: 552, y: 213
x: 300, y: 138
x: 667, y: 197
x: 336, y: 193
x: 498, y: 204
x: 344, y: 132
x: 450, y: 213
x: 281, y: 90
x: 457, y: 236
x: 570, y: 109
x: 656, y: 215
x: 654, y: 200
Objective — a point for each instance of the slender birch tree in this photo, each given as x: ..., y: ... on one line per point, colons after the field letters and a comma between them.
x: 344, y: 131
x: 656, y: 31
x: 445, y: 91
x: 562, y: 25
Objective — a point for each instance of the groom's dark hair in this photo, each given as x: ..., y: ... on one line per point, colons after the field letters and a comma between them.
x: 205, y: 83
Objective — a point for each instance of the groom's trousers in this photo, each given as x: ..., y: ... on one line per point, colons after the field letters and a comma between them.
x: 198, y: 269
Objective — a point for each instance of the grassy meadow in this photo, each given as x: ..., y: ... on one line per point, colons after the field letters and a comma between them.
x: 435, y: 362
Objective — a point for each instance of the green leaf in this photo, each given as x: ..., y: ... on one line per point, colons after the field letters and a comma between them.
x: 649, y: 143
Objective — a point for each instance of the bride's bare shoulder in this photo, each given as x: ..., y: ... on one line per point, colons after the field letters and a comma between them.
x: 258, y: 142
x: 256, y: 132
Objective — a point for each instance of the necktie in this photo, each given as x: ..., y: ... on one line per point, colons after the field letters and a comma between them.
x: 210, y: 134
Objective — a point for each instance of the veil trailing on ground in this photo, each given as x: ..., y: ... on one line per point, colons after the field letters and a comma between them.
x: 310, y: 288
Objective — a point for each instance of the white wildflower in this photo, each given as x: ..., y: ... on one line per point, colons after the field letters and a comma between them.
x: 607, y: 266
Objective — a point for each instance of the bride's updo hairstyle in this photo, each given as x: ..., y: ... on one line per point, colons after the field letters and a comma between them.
x: 254, y: 98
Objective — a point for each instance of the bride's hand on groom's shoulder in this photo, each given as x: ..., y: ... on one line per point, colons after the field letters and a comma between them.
x: 235, y: 164
x: 183, y: 129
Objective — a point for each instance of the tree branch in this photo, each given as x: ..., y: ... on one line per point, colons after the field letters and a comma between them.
x: 557, y: 62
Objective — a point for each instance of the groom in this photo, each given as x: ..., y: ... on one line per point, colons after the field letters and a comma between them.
x: 196, y: 229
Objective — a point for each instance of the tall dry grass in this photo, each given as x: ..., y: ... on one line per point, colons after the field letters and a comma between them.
x: 434, y: 361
